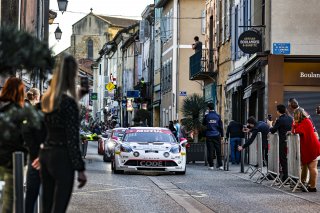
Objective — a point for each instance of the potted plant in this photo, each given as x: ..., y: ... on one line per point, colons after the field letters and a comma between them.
x: 192, y: 109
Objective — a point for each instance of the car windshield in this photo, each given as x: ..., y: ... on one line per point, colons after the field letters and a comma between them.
x: 119, y: 133
x: 149, y: 137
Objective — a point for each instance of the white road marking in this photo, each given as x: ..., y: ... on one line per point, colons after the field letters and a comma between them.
x: 185, y: 200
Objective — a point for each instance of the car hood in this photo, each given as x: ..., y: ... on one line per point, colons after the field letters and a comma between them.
x: 159, y: 146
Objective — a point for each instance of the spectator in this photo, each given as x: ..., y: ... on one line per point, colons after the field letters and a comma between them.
x: 178, y: 128
x: 183, y: 129
x: 33, y: 137
x: 214, y: 136
x: 29, y: 98
x: 197, y: 45
x: 282, y: 125
x: 309, y: 145
x: 234, y: 132
x: 60, y: 155
x: 11, y: 102
x: 173, y: 129
x: 254, y: 127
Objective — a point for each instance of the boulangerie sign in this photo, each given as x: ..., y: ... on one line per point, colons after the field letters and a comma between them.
x: 301, y: 74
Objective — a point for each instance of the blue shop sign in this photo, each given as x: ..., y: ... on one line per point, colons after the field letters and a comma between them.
x: 183, y: 93
x: 281, y: 48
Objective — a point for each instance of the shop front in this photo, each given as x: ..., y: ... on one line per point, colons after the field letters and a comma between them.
x: 295, y: 77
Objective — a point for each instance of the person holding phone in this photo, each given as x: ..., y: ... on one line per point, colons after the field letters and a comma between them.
x: 60, y: 154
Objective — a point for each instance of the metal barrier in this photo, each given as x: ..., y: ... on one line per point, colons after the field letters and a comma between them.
x: 18, y: 164
x: 226, y: 154
x: 255, y: 158
x: 242, y: 155
x: 273, y: 159
x: 294, y: 162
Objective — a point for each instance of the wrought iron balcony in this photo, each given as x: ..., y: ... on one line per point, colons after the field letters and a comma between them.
x: 198, y: 66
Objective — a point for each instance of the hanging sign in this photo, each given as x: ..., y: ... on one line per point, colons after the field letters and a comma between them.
x: 250, y: 42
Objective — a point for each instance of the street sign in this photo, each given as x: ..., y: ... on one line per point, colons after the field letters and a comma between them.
x: 110, y: 86
x: 133, y: 93
x: 183, y: 93
x: 94, y: 96
x: 281, y: 48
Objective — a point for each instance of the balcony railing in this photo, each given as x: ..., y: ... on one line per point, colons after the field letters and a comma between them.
x: 198, y: 66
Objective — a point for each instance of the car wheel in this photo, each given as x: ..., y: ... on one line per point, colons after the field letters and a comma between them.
x: 115, y: 171
x: 181, y: 173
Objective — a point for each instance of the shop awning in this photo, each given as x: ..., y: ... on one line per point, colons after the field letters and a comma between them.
x: 234, y: 79
x: 252, y: 88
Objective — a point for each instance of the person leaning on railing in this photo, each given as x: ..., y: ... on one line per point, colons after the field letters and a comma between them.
x: 309, y: 145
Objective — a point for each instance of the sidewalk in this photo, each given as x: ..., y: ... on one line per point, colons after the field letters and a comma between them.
x: 311, y: 196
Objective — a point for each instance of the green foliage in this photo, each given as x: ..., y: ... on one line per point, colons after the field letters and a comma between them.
x: 20, y: 50
x: 192, y: 109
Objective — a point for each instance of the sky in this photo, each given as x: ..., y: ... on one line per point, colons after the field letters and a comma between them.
x: 77, y: 9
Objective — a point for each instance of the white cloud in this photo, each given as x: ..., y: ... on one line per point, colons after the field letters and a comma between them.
x: 80, y: 8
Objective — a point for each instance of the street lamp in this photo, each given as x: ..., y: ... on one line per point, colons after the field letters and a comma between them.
x: 62, y: 4
x: 57, y: 32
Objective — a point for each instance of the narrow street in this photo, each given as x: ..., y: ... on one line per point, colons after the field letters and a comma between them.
x: 200, y: 190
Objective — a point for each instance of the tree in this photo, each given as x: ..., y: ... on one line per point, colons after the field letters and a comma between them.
x: 192, y: 108
x: 20, y: 50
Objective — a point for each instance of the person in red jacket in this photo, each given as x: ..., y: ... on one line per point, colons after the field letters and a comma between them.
x: 309, y: 145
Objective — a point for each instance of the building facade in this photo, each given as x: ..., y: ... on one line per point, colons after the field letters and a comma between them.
x: 180, y: 23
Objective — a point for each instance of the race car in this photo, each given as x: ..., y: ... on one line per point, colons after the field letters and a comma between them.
x: 149, y: 149
x: 111, y: 142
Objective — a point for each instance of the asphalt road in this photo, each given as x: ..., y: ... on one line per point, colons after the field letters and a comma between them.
x: 200, y: 190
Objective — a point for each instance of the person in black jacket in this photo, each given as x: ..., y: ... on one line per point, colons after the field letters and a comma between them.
x: 60, y: 154
x: 254, y: 127
x: 282, y: 125
x: 214, y: 135
x: 234, y: 132
x: 33, y: 137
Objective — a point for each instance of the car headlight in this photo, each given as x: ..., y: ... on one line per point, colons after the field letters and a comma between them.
x: 110, y: 145
x: 175, y: 149
x: 124, y: 148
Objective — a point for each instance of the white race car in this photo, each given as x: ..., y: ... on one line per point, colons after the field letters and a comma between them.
x: 149, y: 148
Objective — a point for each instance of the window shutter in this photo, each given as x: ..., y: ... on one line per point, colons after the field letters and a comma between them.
x: 171, y: 19
x: 203, y: 22
x: 163, y: 28
x: 218, y: 24
x: 233, y: 36
x: 142, y: 28
x: 222, y: 4
x: 228, y: 24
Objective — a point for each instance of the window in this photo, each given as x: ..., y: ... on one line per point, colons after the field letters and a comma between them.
x: 171, y: 23
x: 90, y: 49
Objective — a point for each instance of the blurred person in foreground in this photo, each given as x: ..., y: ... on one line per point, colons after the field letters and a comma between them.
x: 11, y: 101
x: 309, y: 145
x: 14, y: 117
x: 60, y: 154
x: 282, y: 125
x: 33, y: 137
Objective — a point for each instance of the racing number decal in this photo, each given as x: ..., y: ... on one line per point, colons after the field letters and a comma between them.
x: 150, y: 163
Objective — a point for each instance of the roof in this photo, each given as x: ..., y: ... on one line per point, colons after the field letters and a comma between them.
x: 120, y: 22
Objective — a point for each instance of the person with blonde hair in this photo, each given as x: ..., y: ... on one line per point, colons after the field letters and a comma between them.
x: 309, y: 145
x: 60, y: 154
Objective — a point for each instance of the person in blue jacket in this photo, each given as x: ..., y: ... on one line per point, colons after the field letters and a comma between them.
x: 214, y: 135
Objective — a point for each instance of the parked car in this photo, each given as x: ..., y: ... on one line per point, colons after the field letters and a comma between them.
x: 149, y: 148
x: 109, y: 144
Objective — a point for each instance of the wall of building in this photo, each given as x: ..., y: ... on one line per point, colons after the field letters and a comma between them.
x: 296, y: 23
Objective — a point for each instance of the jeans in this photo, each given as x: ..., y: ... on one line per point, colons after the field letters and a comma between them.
x: 7, y: 200
x: 214, y: 146
x: 33, y: 187
x: 235, y: 154
x: 57, y: 176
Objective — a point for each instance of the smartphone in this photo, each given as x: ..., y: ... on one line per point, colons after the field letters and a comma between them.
x: 270, y: 117
x: 84, y: 82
